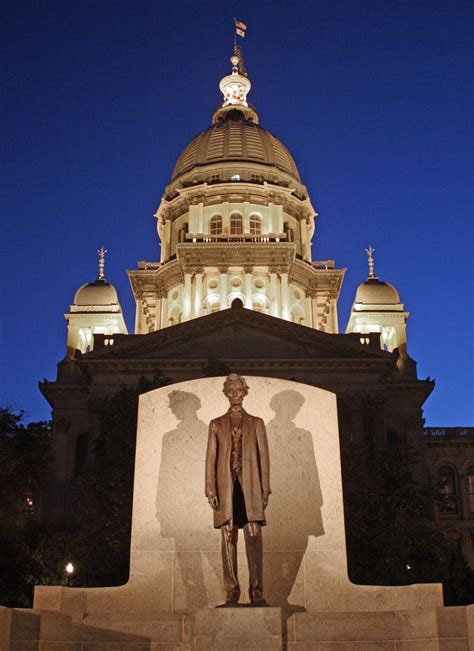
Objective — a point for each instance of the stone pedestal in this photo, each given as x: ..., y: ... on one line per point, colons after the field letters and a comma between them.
x: 226, y: 629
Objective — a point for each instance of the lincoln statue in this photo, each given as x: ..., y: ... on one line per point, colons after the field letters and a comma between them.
x: 238, y: 488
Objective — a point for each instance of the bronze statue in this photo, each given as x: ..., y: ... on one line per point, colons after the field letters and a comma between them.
x: 238, y: 488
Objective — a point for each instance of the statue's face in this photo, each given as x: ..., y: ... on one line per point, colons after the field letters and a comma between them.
x: 235, y: 393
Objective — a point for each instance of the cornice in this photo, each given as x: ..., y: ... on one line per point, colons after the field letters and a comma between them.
x: 214, y: 254
x: 235, y: 192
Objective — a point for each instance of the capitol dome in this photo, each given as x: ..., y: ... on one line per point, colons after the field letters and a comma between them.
x: 376, y: 292
x: 236, y: 138
x: 98, y: 293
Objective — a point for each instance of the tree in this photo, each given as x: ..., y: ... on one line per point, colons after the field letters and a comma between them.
x: 101, y: 547
x: 24, y: 459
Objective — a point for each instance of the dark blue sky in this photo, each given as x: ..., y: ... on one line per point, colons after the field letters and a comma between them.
x: 372, y: 98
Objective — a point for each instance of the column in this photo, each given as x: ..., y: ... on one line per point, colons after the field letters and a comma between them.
x: 198, y: 294
x: 314, y: 309
x: 305, y: 244
x: 285, y: 299
x: 271, y: 225
x: 245, y: 217
x: 164, y: 311
x: 223, y: 287
x: 308, y: 311
x: 167, y: 243
x: 187, y: 297
x: 201, y: 218
x: 248, y: 288
x: 274, y: 304
x: 158, y: 315
x: 334, y: 320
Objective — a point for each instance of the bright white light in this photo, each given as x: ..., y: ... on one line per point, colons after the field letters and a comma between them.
x: 69, y: 568
x: 235, y: 177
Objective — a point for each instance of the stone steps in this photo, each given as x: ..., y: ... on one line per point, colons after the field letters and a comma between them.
x: 240, y: 629
x: 443, y: 629
x: 166, y: 628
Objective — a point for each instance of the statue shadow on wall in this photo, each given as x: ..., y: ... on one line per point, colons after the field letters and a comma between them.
x: 181, y: 507
x: 294, y: 512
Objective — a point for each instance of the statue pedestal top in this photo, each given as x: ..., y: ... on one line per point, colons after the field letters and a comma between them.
x: 237, y: 628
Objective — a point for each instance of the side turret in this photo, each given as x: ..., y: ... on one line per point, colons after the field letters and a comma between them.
x: 95, y: 310
x: 377, y: 308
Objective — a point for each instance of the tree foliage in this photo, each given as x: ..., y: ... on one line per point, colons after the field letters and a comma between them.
x: 101, y: 546
x: 24, y: 458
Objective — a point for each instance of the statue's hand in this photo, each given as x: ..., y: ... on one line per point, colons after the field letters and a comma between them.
x: 214, y: 502
x: 265, y: 500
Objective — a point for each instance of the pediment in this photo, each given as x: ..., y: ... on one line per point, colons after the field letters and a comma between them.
x: 234, y: 334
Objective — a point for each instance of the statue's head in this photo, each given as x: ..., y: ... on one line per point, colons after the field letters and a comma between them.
x: 235, y: 389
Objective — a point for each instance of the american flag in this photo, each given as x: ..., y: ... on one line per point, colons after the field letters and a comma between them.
x: 240, y: 28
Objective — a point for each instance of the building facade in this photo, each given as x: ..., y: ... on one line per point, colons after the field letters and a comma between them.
x: 235, y: 281
x: 449, y: 456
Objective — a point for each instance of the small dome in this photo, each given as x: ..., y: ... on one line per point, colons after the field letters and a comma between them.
x: 97, y: 293
x: 235, y: 139
x: 375, y: 292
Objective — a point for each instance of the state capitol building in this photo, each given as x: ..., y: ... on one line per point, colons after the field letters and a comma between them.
x: 236, y: 283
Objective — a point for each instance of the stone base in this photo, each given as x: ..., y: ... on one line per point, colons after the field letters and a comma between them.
x: 237, y: 628
x: 443, y: 629
x: 249, y: 629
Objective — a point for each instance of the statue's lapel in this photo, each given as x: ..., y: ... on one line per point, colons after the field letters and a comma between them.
x: 245, y: 424
x: 227, y: 426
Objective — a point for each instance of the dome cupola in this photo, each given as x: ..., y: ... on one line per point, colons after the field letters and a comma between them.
x: 377, y: 308
x: 235, y: 144
x: 95, y: 310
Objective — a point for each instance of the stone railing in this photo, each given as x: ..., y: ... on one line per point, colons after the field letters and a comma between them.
x: 448, y: 432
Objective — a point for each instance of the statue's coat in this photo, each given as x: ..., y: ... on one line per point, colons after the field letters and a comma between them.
x: 255, y: 467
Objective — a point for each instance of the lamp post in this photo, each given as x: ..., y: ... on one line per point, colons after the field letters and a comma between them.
x: 69, y: 569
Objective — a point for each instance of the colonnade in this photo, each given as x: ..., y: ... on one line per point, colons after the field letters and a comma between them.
x: 316, y: 310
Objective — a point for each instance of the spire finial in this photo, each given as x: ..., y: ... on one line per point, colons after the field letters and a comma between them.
x: 236, y: 85
x: 101, y: 253
x: 370, y: 254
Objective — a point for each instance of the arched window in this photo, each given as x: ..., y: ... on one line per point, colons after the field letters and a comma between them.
x: 449, y: 502
x: 470, y: 489
x: 215, y: 225
x: 255, y: 225
x: 82, y: 445
x: 236, y: 224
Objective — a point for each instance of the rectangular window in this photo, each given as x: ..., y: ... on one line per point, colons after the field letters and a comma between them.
x: 255, y: 178
x: 215, y: 178
x: 470, y: 483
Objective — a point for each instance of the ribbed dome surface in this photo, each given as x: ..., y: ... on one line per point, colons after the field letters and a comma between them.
x: 375, y: 292
x: 97, y: 293
x: 235, y: 139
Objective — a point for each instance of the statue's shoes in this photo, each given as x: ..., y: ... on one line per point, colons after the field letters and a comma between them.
x: 259, y: 603
x: 229, y: 604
